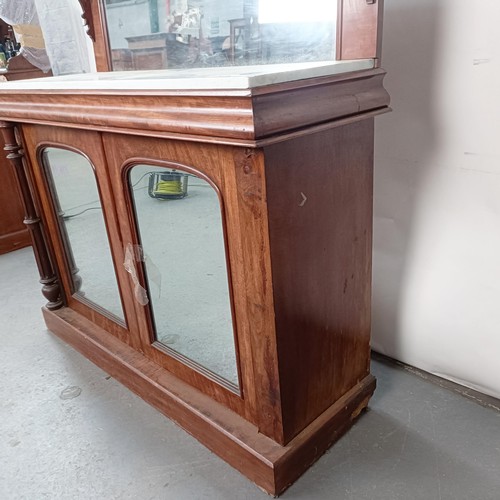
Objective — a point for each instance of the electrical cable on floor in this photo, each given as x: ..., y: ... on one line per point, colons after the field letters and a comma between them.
x: 66, y: 217
x: 140, y: 179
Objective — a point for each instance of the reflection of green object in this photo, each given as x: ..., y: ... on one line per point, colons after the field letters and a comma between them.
x: 167, y: 185
x: 3, y: 60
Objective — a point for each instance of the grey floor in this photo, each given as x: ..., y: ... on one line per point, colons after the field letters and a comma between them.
x: 69, y: 431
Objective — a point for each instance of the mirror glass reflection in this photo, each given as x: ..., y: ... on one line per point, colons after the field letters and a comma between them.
x: 178, y: 216
x: 77, y: 203
x: 159, y: 34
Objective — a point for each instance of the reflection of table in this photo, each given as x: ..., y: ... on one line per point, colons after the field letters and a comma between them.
x: 155, y: 51
x: 292, y: 164
x: 143, y: 52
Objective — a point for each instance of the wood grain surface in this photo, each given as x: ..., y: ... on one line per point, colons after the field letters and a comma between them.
x: 359, y: 30
x: 319, y: 191
x: 201, y: 116
x: 13, y: 233
x: 271, y: 466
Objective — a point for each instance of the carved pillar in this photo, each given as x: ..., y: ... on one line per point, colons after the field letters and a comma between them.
x: 77, y: 279
x: 51, y: 289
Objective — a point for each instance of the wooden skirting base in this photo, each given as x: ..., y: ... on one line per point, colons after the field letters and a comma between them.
x: 271, y: 466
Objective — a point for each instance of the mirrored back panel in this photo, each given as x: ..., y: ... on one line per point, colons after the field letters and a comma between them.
x: 78, y: 207
x: 179, y: 221
x: 159, y: 34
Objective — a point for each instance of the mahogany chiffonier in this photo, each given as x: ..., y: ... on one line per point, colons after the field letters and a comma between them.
x: 204, y: 235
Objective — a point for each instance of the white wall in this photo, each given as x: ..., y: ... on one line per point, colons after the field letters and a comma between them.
x: 436, y: 300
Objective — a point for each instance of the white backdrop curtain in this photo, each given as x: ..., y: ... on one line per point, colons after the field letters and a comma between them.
x: 67, y: 43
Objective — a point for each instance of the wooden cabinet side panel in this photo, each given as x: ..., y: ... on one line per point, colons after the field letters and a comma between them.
x: 319, y: 191
x: 13, y: 233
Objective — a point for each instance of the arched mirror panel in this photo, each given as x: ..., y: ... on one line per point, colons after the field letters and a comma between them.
x: 182, y: 248
x: 78, y: 207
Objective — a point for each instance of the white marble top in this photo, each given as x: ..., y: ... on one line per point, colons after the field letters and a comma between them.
x: 224, y: 78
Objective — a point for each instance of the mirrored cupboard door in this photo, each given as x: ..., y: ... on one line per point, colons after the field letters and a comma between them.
x: 174, y: 211
x: 79, y: 214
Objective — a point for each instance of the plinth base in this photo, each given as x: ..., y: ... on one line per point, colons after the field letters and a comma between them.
x: 271, y: 466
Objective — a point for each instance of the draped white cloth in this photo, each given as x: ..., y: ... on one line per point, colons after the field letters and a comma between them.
x: 67, y: 43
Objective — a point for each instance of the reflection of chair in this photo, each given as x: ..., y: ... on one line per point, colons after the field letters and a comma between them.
x: 244, y: 31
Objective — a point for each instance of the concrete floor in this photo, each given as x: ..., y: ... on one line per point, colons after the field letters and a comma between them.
x: 69, y: 431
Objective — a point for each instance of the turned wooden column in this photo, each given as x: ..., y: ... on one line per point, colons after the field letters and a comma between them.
x: 51, y: 289
x: 77, y: 279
